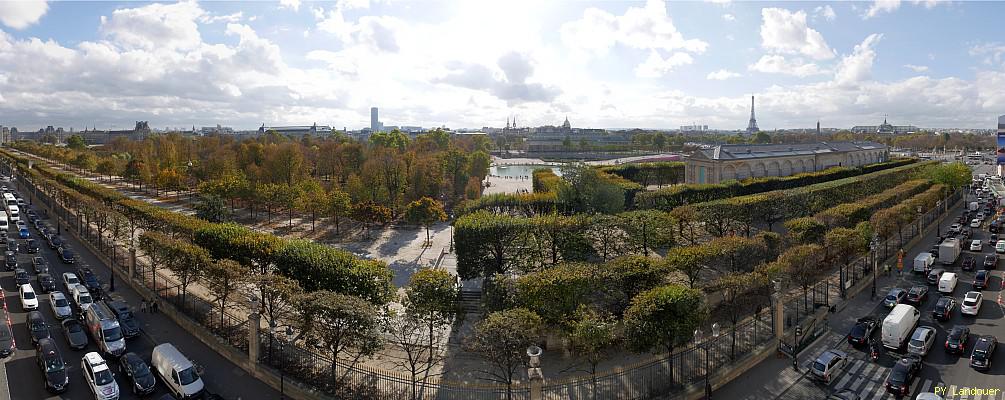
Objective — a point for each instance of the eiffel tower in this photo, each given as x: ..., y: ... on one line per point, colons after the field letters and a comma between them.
x: 752, y: 125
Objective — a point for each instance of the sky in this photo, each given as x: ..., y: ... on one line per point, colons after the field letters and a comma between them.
x: 470, y: 64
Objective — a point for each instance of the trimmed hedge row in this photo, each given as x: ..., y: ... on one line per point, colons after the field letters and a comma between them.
x: 672, y: 197
x: 545, y: 181
x: 649, y: 173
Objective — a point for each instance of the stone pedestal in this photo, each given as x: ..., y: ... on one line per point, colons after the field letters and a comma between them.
x: 132, y: 263
x: 254, y: 324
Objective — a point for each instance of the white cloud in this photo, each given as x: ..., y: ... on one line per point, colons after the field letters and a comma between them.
x: 786, y: 32
x: 992, y: 53
x: 645, y: 28
x: 916, y: 68
x: 857, y: 67
x: 728, y: 17
x: 825, y: 12
x: 231, y: 18
x: 723, y: 3
x: 656, y: 66
x: 880, y: 6
x: 22, y: 14
x: 928, y: 3
x: 376, y: 32
x: 777, y: 64
x: 722, y: 75
x: 170, y: 26
x: 291, y: 4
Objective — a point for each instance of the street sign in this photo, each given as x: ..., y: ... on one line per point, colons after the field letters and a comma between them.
x: 799, y: 331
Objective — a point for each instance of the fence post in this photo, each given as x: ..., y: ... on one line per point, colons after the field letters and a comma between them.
x: 779, y: 312
x: 132, y: 263
x: 254, y: 324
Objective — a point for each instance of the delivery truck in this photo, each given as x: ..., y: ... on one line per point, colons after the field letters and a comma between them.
x: 949, y: 251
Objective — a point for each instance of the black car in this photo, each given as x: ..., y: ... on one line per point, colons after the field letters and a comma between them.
x: 934, y: 251
x: 21, y: 277
x: 31, y: 245
x: 992, y: 239
x: 74, y: 333
x: 957, y: 340
x: 127, y: 321
x: 934, y: 276
x: 10, y: 260
x: 991, y: 261
x: 55, y: 241
x: 969, y: 263
x: 984, y: 353
x: 37, y: 327
x: 944, y: 308
x: 6, y: 336
x: 66, y: 255
x: 89, y: 280
x: 40, y: 265
x: 981, y: 279
x: 52, y: 366
x: 46, y: 282
x: 32, y: 216
x: 993, y: 227
x: 862, y: 331
x: 12, y: 245
x: 133, y: 367
x: 902, y: 374
x: 917, y: 295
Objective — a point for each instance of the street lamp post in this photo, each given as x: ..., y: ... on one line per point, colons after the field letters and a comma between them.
x: 920, y: 222
x: 874, y: 247
x: 706, y: 346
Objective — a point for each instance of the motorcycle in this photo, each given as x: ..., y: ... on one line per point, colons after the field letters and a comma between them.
x: 874, y: 353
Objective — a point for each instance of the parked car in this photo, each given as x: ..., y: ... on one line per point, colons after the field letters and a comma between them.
x: 133, y: 367
x: 827, y: 364
x: 28, y: 299
x: 46, y: 282
x: 32, y: 216
x: 51, y: 365
x: 89, y: 280
x: 37, y: 328
x: 69, y: 281
x: 934, y: 276
x: 896, y: 296
x: 981, y: 279
x: 969, y: 263
x: 921, y: 341
x: 993, y: 239
x: 944, y: 308
x: 12, y: 245
x: 73, y: 331
x: 21, y: 277
x: 975, y: 223
x: 902, y: 375
x: 991, y: 261
x: 7, y: 346
x: 971, y: 303
x: 862, y: 331
x: 984, y: 353
x: 957, y: 340
x: 917, y: 295
x: 60, y: 305
x: 98, y: 377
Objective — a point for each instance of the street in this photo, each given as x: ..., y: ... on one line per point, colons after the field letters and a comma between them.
x: 941, y: 372
x: 22, y: 374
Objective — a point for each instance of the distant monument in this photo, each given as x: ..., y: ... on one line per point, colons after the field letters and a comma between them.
x: 752, y: 124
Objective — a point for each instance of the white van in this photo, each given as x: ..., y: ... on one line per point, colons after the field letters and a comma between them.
x: 923, y: 262
x: 947, y: 283
x: 4, y: 225
x: 13, y: 213
x: 898, y: 325
x: 177, y: 372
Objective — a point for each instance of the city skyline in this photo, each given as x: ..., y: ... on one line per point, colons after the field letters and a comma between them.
x: 605, y: 65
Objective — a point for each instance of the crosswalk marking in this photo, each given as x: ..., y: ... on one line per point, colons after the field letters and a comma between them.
x: 861, y: 379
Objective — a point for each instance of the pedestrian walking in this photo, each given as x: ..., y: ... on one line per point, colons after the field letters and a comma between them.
x: 143, y: 305
x: 153, y: 307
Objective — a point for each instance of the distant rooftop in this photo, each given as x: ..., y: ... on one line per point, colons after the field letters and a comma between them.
x: 751, y: 151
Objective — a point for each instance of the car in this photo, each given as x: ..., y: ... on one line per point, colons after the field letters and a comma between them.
x: 1000, y: 246
x: 994, y: 227
x: 984, y: 353
x: 12, y: 245
x: 28, y: 299
x: 7, y: 346
x: 971, y: 303
x: 969, y: 263
x: 23, y: 233
x: 896, y: 296
x: 921, y: 341
x: 917, y: 295
x: 975, y: 223
x: 991, y: 261
x: 70, y: 280
x: 81, y: 298
x: 980, y: 216
x: 54, y: 241
x: 862, y: 331
x: 981, y: 279
x: 46, y: 282
x: 944, y: 308
x: 89, y: 280
x: 902, y: 374
x: 60, y: 305
x: 127, y: 322
x: 39, y: 264
x: 966, y: 233
x: 956, y: 341
x: 66, y: 255
x: 76, y: 336
x: 31, y: 246
x: 10, y: 260
x: 98, y: 377
x: 992, y: 239
x: 934, y: 250
x: 934, y: 275
x: 827, y: 365
x: 50, y: 363
x: 37, y: 328
x: 138, y: 372
x: 32, y: 216
x: 21, y: 277
x: 954, y: 228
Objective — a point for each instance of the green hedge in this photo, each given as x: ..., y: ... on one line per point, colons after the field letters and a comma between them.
x: 648, y: 173
x: 545, y: 180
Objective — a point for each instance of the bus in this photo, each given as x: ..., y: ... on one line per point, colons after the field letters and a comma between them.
x: 13, y: 213
x: 975, y: 158
x: 9, y: 199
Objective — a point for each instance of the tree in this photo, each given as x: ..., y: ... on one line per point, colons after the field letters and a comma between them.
x: 479, y: 163
x: 502, y: 339
x: 211, y: 208
x: 593, y: 335
x: 346, y: 326
x: 85, y: 161
x: 339, y: 205
x: 370, y: 213
x: 664, y: 318
x: 108, y: 167
x: 276, y: 295
x: 76, y: 142
x: 805, y: 230
x: 802, y: 266
x: 311, y: 198
x: 689, y: 260
x: 425, y: 212
x: 844, y: 244
x: 188, y: 262
x: 734, y: 288
x: 224, y: 278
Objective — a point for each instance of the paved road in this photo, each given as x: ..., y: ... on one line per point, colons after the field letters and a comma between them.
x: 775, y: 378
x: 25, y: 381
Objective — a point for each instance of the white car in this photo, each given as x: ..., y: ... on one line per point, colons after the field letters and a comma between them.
x: 1000, y: 246
x: 69, y: 281
x: 98, y: 377
x: 28, y: 299
x: 921, y: 341
x: 82, y: 298
x: 21, y: 224
x: 975, y: 223
x: 980, y: 215
x: 60, y: 305
x: 971, y: 303
x: 976, y: 245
